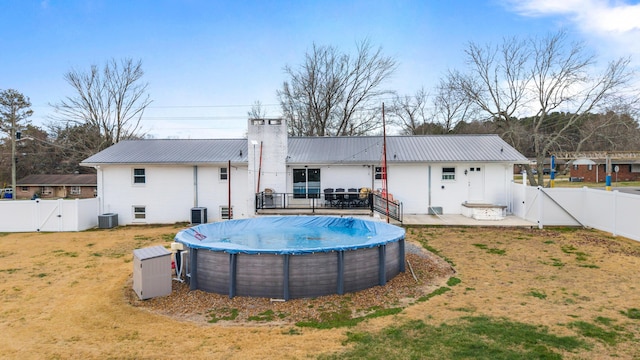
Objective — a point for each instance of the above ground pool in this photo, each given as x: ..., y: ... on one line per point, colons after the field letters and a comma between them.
x: 288, y: 257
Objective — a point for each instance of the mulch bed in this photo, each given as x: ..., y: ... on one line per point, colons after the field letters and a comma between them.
x: 430, y: 272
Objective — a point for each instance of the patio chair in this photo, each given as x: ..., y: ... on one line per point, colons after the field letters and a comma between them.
x: 329, y: 197
x: 339, y: 195
x: 351, y: 197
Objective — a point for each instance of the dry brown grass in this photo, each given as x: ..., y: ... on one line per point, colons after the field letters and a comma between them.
x: 68, y: 295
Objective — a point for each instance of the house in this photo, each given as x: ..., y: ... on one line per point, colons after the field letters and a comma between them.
x: 77, y: 186
x: 595, y: 170
x: 163, y: 181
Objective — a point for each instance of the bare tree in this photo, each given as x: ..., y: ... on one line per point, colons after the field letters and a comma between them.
x: 334, y: 94
x: 411, y: 112
x: 451, y: 106
x: 112, y: 99
x: 257, y: 111
x: 496, y: 83
x: 563, y: 76
x: 614, y: 131
x: 548, y: 74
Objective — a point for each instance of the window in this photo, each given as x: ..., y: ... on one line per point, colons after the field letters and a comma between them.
x: 590, y: 167
x: 139, y: 176
x: 634, y: 168
x: 139, y: 212
x: 46, y: 190
x: 24, y: 188
x: 381, y: 172
x: 306, y: 183
x: 225, y: 214
x: 223, y: 173
x: 448, y: 173
x: 75, y: 190
x: 575, y: 167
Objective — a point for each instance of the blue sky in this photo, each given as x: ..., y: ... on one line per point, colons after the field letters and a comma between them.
x: 206, y: 61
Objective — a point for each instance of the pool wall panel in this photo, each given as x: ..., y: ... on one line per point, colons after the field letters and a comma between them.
x: 313, y: 274
x: 260, y: 275
x: 213, y: 271
x: 392, y: 266
x: 360, y: 269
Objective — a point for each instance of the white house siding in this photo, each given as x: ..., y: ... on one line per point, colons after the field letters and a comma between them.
x: 498, y: 184
x: 213, y: 193
x: 169, y: 193
x: 409, y: 183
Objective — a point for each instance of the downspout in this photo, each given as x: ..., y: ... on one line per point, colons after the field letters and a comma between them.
x: 429, y: 186
x: 229, y: 189
x: 259, y: 170
x: 195, y: 186
x: 101, y: 188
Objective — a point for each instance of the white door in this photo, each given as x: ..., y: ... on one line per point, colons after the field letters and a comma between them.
x: 475, y: 177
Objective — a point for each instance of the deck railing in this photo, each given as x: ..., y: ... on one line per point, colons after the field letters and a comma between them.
x: 386, y: 207
x: 333, y: 201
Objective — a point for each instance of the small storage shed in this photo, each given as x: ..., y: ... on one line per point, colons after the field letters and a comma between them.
x: 151, y: 272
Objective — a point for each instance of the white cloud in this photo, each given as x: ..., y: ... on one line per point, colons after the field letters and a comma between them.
x: 613, y: 25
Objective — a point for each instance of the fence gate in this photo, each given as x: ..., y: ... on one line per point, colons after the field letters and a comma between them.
x: 48, y: 215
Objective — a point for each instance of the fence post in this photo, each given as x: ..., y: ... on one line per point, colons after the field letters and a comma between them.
x: 540, y: 207
x: 615, y: 212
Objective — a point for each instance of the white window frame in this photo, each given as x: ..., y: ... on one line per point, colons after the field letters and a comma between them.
x: 223, y: 174
x: 448, y: 175
x: 142, y: 176
x: 139, y: 212
x: 46, y: 190
x: 75, y: 190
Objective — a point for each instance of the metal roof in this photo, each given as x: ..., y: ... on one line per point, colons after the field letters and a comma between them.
x: 316, y: 150
x: 171, y: 151
x: 429, y: 148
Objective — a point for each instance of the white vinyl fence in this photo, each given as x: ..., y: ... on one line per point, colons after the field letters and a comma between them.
x: 610, y: 211
x: 48, y: 215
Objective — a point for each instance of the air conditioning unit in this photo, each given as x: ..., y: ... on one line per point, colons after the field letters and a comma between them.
x: 198, y: 215
x: 107, y: 221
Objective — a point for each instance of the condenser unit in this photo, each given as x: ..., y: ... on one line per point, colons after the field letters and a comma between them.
x: 198, y: 215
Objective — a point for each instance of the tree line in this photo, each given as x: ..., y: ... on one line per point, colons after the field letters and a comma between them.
x: 540, y: 94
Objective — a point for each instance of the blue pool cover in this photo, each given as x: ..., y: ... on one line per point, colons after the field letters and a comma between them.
x: 289, y: 235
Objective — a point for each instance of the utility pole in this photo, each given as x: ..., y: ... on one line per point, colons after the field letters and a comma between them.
x: 13, y: 157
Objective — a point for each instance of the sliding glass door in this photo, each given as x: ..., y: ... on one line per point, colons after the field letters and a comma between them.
x: 306, y: 183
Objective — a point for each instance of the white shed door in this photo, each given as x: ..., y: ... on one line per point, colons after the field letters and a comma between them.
x: 475, y: 176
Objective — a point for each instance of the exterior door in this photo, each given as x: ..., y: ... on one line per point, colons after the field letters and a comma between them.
x: 475, y: 176
x: 306, y: 183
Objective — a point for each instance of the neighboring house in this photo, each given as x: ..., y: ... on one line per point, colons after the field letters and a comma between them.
x: 161, y: 181
x: 78, y: 186
x: 595, y: 170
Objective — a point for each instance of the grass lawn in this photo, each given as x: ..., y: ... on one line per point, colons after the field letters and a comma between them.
x: 516, y: 294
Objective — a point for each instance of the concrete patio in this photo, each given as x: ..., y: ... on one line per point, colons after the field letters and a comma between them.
x: 408, y: 219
